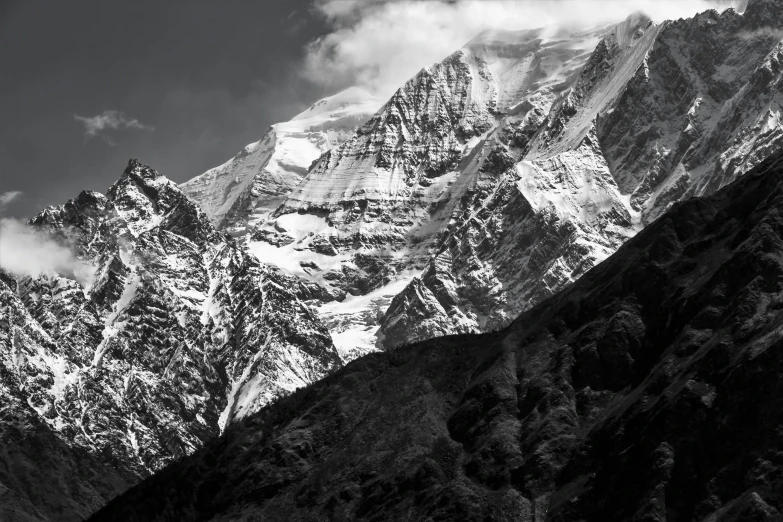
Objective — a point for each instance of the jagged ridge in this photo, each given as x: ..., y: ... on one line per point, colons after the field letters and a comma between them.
x: 659, y: 113
x: 180, y: 333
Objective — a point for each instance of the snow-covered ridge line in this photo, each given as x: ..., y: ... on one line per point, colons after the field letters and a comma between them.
x: 241, y: 191
x: 505, y: 172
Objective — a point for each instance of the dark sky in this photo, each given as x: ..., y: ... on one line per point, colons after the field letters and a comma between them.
x: 210, y: 77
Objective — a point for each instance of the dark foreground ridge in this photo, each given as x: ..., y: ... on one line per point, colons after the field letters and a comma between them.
x: 649, y: 390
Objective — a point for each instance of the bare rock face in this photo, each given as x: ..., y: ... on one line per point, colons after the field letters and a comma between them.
x: 647, y: 390
x: 385, y: 180
x: 498, y: 259
x: 177, y: 334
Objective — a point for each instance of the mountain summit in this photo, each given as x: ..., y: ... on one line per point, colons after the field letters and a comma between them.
x: 370, y: 213
x: 659, y: 113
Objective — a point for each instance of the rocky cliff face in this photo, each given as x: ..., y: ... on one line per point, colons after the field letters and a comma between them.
x: 241, y: 192
x: 178, y: 333
x: 659, y: 113
x: 647, y: 390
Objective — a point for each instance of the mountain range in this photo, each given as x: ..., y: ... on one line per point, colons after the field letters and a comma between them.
x: 495, y: 178
x: 647, y: 390
x: 566, y: 244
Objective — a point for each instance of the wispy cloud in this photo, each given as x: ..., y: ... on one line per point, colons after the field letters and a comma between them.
x: 7, y: 197
x: 25, y: 251
x: 768, y: 32
x: 379, y: 44
x: 109, y: 120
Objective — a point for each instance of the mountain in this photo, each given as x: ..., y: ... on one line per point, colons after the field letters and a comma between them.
x: 492, y: 184
x: 659, y: 113
x: 177, y: 334
x: 497, y: 177
x: 239, y: 193
x: 648, y: 389
x: 369, y: 214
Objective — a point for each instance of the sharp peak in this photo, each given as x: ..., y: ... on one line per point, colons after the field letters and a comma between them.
x: 139, y: 168
x: 141, y: 175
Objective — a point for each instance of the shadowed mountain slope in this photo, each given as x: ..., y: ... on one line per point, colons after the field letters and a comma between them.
x: 648, y: 390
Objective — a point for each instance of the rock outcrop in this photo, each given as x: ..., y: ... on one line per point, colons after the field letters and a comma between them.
x: 492, y: 180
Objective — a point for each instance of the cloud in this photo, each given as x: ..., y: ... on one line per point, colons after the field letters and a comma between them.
x: 379, y: 44
x: 109, y: 120
x: 769, y: 32
x: 7, y: 197
x: 25, y: 251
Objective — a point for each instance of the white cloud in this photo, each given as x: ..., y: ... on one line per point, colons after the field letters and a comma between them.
x: 7, y: 197
x: 25, y: 251
x: 109, y: 120
x: 379, y: 44
x: 769, y: 32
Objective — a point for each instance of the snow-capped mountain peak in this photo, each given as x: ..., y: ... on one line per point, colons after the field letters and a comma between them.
x: 517, y: 138
x: 484, y: 185
x: 242, y: 191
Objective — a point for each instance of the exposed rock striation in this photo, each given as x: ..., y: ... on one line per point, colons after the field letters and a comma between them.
x: 497, y: 177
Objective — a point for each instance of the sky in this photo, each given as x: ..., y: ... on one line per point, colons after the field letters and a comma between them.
x: 184, y: 86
